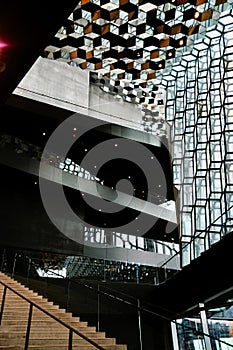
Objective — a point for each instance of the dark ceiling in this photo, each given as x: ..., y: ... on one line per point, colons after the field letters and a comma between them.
x: 26, y: 28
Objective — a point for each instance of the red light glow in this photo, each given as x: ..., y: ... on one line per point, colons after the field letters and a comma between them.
x: 3, y: 44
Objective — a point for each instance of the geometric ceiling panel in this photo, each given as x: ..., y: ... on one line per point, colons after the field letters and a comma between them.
x: 129, y: 44
x: 130, y: 39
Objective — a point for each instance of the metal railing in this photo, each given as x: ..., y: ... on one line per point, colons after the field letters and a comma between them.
x: 32, y: 304
x: 118, y: 297
x: 123, y: 298
x: 140, y: 309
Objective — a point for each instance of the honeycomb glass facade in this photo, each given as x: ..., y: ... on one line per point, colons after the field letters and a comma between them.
x: 199, y: 108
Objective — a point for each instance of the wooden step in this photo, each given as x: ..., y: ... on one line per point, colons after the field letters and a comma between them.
x: 41, y: 318
x: 48, y: 321
x: 45, y: 332
x: 54, y: 341
x: 41, y: 326
x: 59, y: 314
x: 5, y: 347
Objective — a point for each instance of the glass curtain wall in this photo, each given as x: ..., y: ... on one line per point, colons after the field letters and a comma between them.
x: 199, y: 109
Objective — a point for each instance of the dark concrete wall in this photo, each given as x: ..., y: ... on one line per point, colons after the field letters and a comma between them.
x: 24, y: 222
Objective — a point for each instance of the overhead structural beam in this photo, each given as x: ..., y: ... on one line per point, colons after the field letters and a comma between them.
x: 49, y: 172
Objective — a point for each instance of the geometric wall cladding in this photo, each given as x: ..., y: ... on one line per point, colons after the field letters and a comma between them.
x: 199, y: 109
x: 133, y: 41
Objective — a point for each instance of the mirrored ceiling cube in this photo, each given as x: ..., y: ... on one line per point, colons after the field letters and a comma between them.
x: 68, y: 27
x: 178, y: 29
x: 114, y: 39
x: 153, y: 52
x: 170, y: 15
x: 157, y: 64
x: 134, y: 52
x: 163, y: 28
x: 92, y: 40
x: 126, y: 64
x: 120, y: 51
x: 91, y: 11
x: 110, y: 53
x: 94, y: 63
x: 117, y: 74
x: 75, y: 40
x: 52, y: 52
x: 137, y: 27
x: 101, y: 26
x: 127, y: 40
x: 59, y: 41
x: 147, y: 10
x: 119, y: 27
x: 110, y: 11
x: 132, y: 74
x: 141, y: 64
x: 151, y: 41
x: 128, y: 11
x: 148, y: 74
x: 85, y: 52
x: 206, y: 15
x: 73, y: 54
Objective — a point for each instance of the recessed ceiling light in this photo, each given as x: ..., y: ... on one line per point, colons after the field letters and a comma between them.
x: 116, y: 145
x: 75, y: 129
x: 44, y: 134
x: 35, y: 182
x: 85, y: 149
x: 151, y: 157
x: 181, y: 42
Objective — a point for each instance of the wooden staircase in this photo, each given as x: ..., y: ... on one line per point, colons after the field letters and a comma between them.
x: 49, y: 327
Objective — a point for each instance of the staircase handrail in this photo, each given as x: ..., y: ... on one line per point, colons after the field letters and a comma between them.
x: 140, y: 308
x: 33, y: 304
